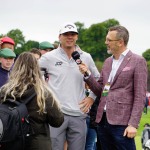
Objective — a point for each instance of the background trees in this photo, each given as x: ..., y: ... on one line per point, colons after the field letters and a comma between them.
x: 148, y: 80
x: 90, y: 39
x: 20, y: 44
x: 146, y: 55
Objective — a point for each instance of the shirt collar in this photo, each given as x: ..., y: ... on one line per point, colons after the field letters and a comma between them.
x: 77, y: 48
x: 125, y: 52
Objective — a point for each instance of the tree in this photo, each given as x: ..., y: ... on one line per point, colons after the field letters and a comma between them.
x: 80, y: 26
x: 146, y: 55
x: 17, y: 36
x: 148, y: 80
x: 81, y: 29
x: 30, y: 44
x: 21, y: 44
x: 19, y: 39
x: 92, y: 40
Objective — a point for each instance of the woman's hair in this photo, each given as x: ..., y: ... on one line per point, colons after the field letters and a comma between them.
x: 24, y: 75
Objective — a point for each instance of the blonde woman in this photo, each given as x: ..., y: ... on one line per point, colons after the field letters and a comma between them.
x: 25, y: 79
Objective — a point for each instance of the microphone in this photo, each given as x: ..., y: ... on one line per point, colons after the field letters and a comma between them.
x: 76, y: 56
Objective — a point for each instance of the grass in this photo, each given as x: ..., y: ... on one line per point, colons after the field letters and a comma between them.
x: 144, y: 119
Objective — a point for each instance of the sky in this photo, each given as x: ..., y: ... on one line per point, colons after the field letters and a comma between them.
x: 40, y: 20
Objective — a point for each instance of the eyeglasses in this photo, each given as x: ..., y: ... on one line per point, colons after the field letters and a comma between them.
x: 109, y: 40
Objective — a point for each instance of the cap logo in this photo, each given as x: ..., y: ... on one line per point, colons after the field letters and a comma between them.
x: 69, y: 26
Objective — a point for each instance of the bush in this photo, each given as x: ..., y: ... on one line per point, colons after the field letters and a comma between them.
x: 99, y: 65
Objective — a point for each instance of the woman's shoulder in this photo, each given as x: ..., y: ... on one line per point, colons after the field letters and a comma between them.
x: 29, y: 93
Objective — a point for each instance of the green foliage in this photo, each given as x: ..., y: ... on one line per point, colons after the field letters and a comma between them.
x: 146, y: 55
x: 17, y: 36
x: 19, y: 39
x: 21, y: 45
x: 148, y: 65
x: 27, y: 46
x: 1, y: 35
x: 92, y: 40
x: 138, y: 142
x: 80, y: 26
x: 144, y: 119
x: 148, y: 80
x: 99, y: 65
x: 31, y: 44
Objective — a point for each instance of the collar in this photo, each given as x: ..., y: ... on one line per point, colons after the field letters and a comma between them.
x: 3, y: 70
x: 77, y: 48
x: 123, y: 54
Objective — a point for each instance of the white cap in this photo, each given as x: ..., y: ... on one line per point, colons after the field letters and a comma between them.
x: 68, y: 27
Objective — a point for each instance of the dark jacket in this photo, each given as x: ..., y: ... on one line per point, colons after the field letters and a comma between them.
x: 93, y: 112
x: 40, y: 138
x: 146, y: 101
x: 3, y: 76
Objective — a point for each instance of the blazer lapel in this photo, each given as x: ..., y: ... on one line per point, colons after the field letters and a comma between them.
x: 123, y: 64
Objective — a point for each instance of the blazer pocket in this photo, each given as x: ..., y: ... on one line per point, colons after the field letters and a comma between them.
x: 128, y: 102
x: 124, y: 106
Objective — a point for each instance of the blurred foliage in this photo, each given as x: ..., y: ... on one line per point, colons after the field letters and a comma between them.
x: 146, y: 55
x: 31, y: 44
x: 148, y: 80
x: 99, y: 65
x: 91, y: 40
x: 20, y: 44
x: 17, y: 36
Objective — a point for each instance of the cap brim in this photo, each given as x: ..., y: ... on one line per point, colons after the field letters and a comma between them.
x: 68, y: 31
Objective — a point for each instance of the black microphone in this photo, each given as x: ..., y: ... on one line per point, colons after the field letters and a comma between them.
x: 76, y: 56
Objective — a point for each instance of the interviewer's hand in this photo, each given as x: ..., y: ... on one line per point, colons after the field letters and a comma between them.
x: 86, y: 104
x: 130, y: 132
x: 83, y: 68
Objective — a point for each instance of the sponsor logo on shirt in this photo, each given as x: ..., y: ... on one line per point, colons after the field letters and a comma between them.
x: 58, y: 63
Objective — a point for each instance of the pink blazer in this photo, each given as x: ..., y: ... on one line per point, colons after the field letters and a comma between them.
x: 125, y: 100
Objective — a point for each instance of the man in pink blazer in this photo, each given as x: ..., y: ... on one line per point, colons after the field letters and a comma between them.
x: 122, y: 89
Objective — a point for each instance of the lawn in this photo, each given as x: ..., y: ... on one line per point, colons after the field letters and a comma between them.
x: 145, y: 119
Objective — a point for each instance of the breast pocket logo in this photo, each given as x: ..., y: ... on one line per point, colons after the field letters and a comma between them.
x: 58, y: 63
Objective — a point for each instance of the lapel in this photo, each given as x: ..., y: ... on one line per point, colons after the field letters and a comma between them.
x: 123, y: 64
